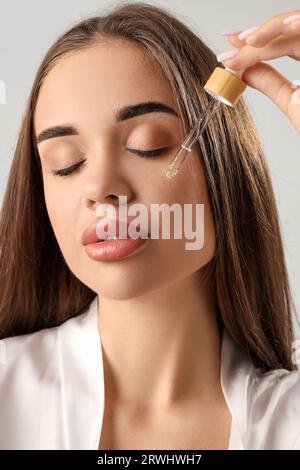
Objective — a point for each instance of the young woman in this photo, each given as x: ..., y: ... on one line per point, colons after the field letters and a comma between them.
x: 157, y: 347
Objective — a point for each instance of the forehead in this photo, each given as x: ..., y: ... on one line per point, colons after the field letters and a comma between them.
x: 99, y: 80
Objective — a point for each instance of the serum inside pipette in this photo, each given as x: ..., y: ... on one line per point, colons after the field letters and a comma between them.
x: 193, y: 136
x: 225, y: 86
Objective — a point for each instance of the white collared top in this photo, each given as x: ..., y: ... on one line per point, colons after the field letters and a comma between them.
x: 52, y: 392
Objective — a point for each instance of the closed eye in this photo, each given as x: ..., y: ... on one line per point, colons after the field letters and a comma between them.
x: 149, y: 153
x: 71, y: 169
x: 142, y: 153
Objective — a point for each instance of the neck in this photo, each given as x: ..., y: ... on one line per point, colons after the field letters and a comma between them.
x: 163, y: 348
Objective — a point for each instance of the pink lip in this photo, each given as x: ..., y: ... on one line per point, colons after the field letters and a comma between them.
x: 90, y: 233
x: 113, y: 249
x: 104, y: 250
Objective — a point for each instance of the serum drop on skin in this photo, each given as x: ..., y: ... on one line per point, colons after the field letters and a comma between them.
x: 225, y: 86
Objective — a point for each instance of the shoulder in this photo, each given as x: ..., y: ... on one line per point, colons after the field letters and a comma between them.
x: 18, y: 350
x: 26, y: 361
x: 35, y: 354
x: 266, y: 405
x: 21, y: 350
x: 43, y: 375
x: 28, y: 373
x: 274, y: 409
x: 36, y: 375
x: 32, y: 350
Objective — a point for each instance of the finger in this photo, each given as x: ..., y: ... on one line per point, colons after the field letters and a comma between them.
x: 272, y: 83
x: 235, y: 41
x: 248, y: 55
x: 274, y: 27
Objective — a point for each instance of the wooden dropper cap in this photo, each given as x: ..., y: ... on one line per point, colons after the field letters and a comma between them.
x: 225, y: 85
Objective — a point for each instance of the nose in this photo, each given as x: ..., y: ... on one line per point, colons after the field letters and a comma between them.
x: 105, y: 182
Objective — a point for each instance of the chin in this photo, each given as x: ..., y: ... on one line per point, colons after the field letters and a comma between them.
x: 115, y: 291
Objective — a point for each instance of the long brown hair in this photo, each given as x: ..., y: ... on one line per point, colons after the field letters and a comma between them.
x: 38, y: 290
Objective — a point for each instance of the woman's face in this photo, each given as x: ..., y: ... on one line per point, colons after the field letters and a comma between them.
x: 85, y: 90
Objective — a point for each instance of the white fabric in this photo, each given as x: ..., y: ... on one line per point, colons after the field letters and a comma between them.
x: 52, y: 392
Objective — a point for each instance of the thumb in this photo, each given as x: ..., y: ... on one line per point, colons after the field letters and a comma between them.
x: 269, y: 81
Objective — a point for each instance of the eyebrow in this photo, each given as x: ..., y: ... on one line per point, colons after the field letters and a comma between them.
x: 127, y: 112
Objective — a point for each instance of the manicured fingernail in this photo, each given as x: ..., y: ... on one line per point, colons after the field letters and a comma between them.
x: 227, y: 55
x: 291, y: 19
x: 229, y: 32
x: 245, y: 34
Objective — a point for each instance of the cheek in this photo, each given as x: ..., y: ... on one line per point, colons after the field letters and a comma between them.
x: 188, y: 188
x: 61, y: 214
x: 201, y: 196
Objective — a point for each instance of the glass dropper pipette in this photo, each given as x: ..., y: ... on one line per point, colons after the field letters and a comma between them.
x: 225, y: 86
x: 186, y: 146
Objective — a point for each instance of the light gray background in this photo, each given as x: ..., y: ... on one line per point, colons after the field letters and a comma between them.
x: 28, y: 28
